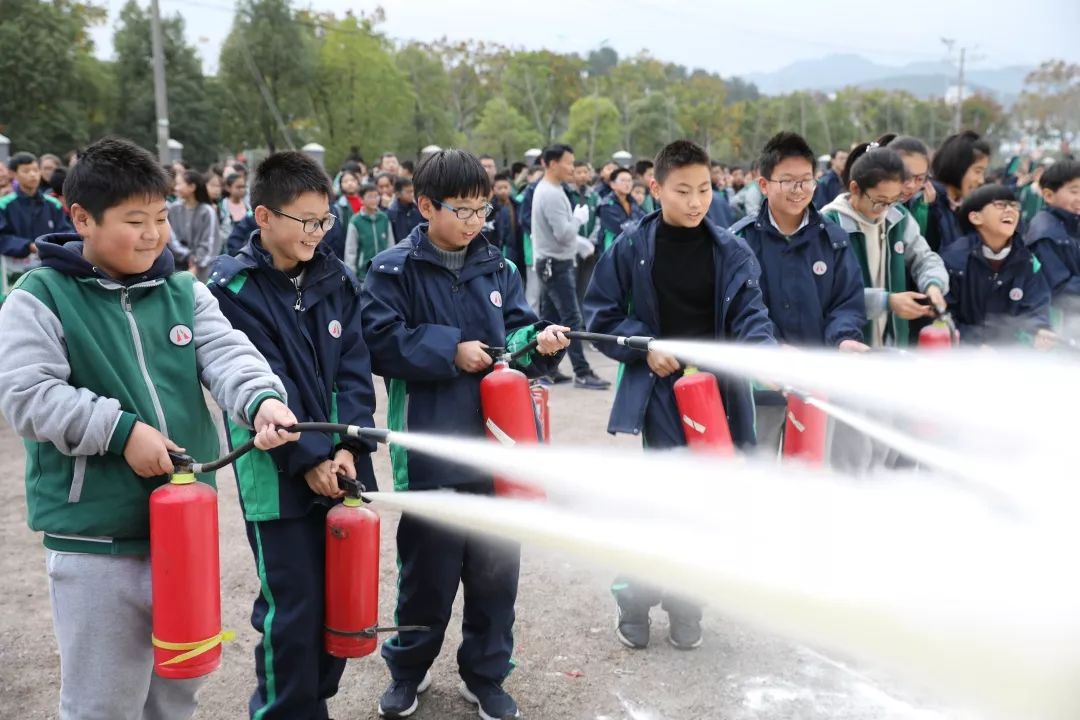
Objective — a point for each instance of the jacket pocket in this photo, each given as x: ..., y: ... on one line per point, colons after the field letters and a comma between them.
x: 78, y: 476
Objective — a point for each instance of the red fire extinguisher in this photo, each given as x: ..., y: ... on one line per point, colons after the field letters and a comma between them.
x: 541, y: 399
x: 704, y: 419
x: 805, y: 431
x: 186, y: 592
x: 509, y: 418
x: 937, y: 336
x: 352, y: 580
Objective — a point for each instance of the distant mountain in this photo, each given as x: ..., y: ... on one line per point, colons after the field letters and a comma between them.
x: 923, y: 79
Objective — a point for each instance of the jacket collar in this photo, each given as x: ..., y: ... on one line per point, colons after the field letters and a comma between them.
x: 1071, y: 221
x: 64, y: 252
x: 481, y: 257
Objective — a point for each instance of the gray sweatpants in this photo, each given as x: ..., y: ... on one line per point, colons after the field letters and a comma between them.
x: 101, y: 616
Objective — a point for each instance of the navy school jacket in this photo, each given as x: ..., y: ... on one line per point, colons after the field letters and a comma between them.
x: 995, y: 308
x: 525, y: 216
x: 829, y: 186
x: 942, y: 224
x: 403, y: 218
x: 241, y: 232
x: 313, y: 340
x: 1054, y: 237
x: 614, y: 220
x: 415, y: 312
x: 621, y: 300
x: 23, y: 218
x: 812, y: 284
x: 720, y: 211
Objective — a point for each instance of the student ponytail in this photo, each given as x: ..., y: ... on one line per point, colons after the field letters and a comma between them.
x: 870, y: 164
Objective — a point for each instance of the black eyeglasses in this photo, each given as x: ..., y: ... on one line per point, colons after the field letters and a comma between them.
x: 466, y: 213
x: 877, y: 204
x: 1004, y: 205
x: 790, y: 186
x: 914, y: 180
x: 311, y: 225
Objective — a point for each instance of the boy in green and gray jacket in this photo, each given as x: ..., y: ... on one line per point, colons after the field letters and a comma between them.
x: 103, y: 353
x: 368, y: 234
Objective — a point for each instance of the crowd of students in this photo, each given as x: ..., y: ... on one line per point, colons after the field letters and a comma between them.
x: 413, y: 277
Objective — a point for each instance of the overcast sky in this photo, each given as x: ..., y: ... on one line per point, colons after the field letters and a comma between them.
x: 728, y: 36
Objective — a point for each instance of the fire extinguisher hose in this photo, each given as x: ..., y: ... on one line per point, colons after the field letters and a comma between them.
x: 635, y: 342
x: 355, y: 431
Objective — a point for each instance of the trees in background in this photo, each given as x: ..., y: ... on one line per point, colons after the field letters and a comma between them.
x: 288, y: 77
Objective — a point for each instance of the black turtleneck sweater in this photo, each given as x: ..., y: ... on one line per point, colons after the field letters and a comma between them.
x: 684, y: 274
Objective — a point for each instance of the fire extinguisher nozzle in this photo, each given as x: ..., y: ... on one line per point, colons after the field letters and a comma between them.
x: 376, y: 434
x: 638, y: 342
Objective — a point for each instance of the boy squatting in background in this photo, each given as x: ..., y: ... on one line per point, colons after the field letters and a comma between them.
x: 103, y: 351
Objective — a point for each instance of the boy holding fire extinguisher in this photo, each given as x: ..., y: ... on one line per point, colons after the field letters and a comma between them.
x: 433, y: 306
x: 300, y: 306
x: 102, y: 351
x: 810, y: 276
x: 674, y: 276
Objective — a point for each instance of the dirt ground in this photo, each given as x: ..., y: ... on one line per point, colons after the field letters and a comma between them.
x: 570, y: 666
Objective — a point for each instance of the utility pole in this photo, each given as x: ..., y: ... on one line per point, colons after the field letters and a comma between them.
x: 959, y: 119
x: 958, y: 112
x: 161, y: 103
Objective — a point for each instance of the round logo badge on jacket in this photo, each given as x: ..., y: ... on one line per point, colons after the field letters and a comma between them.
x: 180, y: 335
x: 334, y: 328
x: 899, y: 247
x: 820, y: 268
x: 496, y: 298
x: 1016, y: 294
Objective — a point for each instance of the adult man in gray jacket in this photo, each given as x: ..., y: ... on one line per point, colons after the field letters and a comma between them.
x: 555, y: 228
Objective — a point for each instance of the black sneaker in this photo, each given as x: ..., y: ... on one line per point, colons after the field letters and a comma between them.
x: 491, y: 701
x: 559, y: 377
x: 632, y: 628
x: 589, y: 381
x: 545, y: 381
x: 400, y: 699
x: 684, y: 634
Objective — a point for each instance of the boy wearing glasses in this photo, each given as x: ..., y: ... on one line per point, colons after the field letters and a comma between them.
x: 998, y: 292
x: 370, y: 232
x: 810, y: 278
x: 433, y: 307
x: 300, y: 306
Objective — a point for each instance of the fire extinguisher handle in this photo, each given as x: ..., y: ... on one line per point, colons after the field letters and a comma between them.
x: 182, y: 462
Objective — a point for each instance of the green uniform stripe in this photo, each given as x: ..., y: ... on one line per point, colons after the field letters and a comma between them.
x: 237, y: 283
x: 397, y: 420
x: 268, y: 622
x: 256, y: 477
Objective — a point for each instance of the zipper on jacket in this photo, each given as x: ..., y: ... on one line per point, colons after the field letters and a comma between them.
x: 298, y: 307
x: 140, y: 356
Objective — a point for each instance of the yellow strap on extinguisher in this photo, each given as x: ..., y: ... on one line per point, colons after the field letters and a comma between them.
x: 195, y: 649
